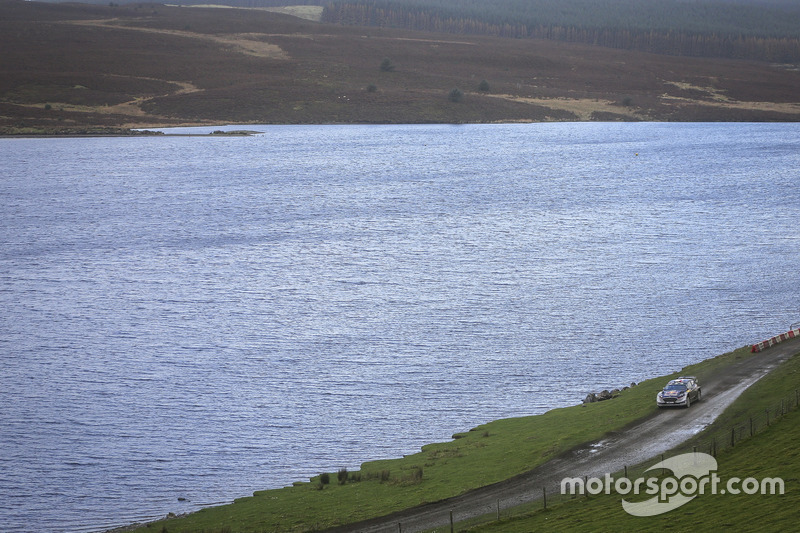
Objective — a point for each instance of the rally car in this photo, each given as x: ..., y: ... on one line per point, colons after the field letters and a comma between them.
x: 679, y: 392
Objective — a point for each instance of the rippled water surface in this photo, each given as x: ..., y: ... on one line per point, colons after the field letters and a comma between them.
x: 202, y: 317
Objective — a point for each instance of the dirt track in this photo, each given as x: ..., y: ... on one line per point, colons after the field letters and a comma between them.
x: 639, y: 442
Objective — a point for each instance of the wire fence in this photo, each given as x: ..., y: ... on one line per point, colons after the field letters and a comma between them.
x: 719, y: 438
x: 755, y: 421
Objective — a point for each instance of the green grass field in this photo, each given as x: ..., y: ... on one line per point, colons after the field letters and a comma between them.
x: 490, y: 453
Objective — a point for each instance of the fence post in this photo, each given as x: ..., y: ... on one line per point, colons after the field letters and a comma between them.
x: 399, y: 527
x: 452, y: 524
x: 733, y: 437
x: 585, y: 482
x: 751, y: 426
x: 626, y: 471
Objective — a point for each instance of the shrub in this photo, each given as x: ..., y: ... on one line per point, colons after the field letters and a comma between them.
x: 371, y: 88
x: 342, y: 476
x: 483, y: 86
x: 325, y: 478
x: 386, y: 65
x: 414, y: 477
x: 383, y: 475
x: 455, y: 95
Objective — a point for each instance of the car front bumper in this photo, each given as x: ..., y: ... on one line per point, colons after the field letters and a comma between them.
x: 673, y: 403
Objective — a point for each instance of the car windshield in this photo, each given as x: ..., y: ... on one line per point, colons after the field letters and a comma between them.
x: 675, y: 386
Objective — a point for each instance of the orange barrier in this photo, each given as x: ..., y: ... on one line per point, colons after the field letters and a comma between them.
x: 763, y: 345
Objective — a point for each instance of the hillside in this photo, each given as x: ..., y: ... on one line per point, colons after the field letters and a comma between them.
x: 70, y: 68
x: 706, y: 28
x: 767, y: 30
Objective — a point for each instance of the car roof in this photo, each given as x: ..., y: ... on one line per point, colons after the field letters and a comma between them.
x: 680, y: 381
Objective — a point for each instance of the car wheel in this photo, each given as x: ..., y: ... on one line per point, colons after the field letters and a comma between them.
x: 688, y: 401
x: 698, y: 395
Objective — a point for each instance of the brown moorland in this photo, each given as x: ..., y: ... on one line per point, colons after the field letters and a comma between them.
x: 77, y: 68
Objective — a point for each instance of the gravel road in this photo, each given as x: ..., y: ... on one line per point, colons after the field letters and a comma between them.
x: 635, y: 444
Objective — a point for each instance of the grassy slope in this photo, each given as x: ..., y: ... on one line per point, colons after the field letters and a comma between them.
x: 772, y: 452
x: 487, y: 454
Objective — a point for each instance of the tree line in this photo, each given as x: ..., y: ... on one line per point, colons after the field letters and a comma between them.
x: 704, y: 29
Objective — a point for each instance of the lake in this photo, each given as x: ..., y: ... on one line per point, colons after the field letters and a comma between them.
x: 188, y: 319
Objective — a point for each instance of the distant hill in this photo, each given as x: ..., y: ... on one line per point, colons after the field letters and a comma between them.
x: 744, y: 29
x: 78, y: 68
x: 767, y: 30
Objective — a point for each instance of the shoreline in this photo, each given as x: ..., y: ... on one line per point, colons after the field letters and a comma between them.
x: 150, y: 131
